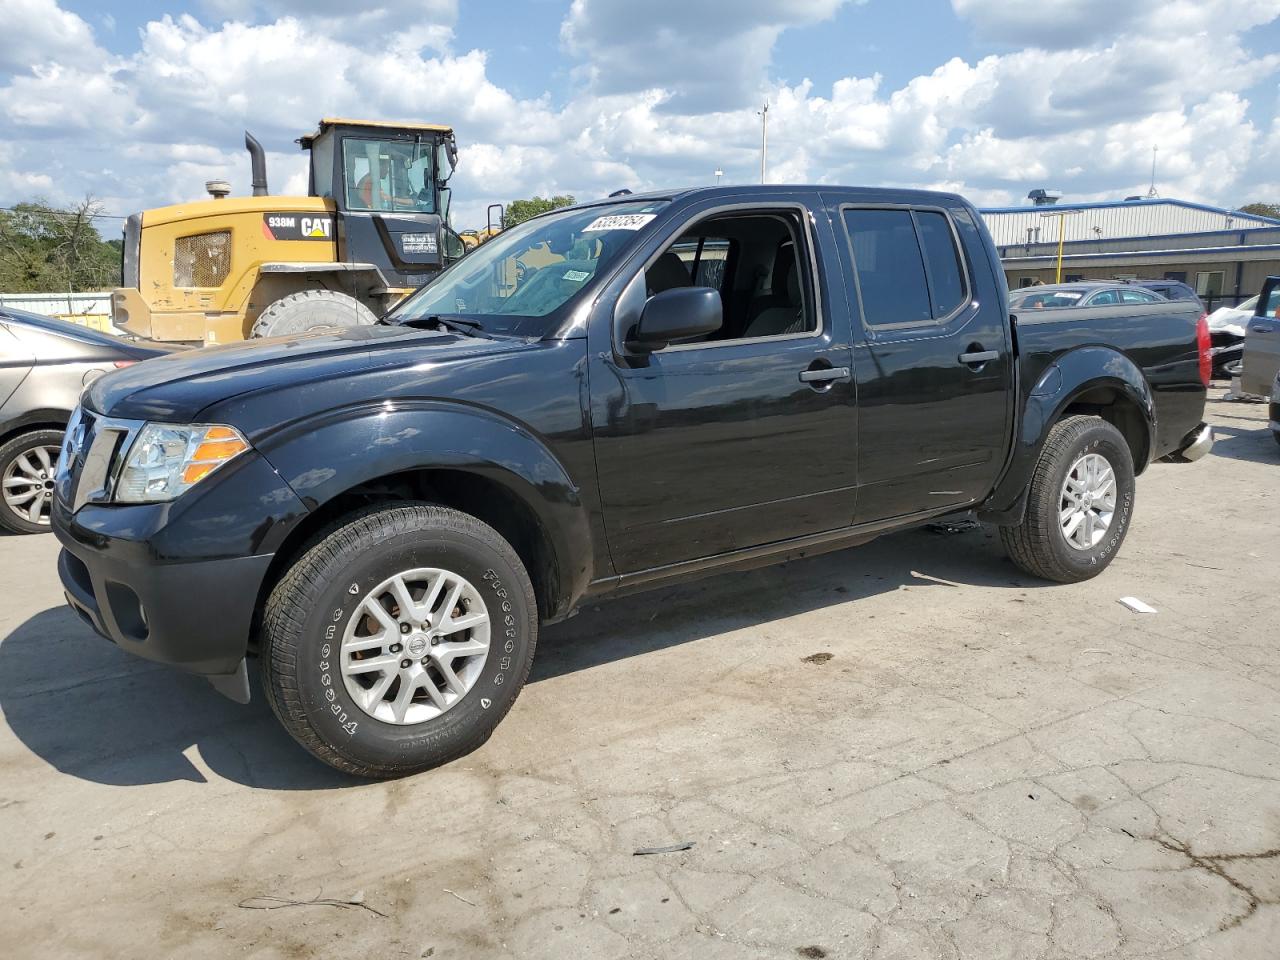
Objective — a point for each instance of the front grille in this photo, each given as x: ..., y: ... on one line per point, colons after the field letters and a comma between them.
x: 202, y: 260
x: 91, y: 454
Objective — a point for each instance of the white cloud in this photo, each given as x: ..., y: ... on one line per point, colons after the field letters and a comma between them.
x: 722, y: 47
x: 151, y: 126
x: 39, y: 32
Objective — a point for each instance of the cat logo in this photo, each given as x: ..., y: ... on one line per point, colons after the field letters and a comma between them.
x: 316, y: 228
x: 290, y: 226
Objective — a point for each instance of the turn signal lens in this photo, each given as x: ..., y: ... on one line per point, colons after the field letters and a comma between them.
x: 167, y: 459
x: 219, y: 450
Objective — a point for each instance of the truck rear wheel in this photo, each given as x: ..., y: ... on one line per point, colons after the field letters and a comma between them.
x: 1079, y: 504
x: 399, y: 640
x: 311, y: 310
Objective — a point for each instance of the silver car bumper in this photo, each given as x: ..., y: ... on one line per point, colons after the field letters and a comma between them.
x: 1198, y: 444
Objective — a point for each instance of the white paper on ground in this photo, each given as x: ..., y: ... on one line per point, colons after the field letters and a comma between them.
x: 1136, y: 605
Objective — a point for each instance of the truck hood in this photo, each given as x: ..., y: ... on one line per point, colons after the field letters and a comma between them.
x: 175, y: 388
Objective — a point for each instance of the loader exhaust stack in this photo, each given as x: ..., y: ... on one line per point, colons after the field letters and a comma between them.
x: 257, y: 163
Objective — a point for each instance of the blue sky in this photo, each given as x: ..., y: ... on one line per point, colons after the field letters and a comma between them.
x: 140, y: 102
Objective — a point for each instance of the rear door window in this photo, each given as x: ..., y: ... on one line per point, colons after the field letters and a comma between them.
x: 1104, y: 298
x: 1138, y: 296
x: 706, y: 259
x: 908, y: 264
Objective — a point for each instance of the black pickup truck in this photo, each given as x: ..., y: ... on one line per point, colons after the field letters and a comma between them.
x: 607, y: 397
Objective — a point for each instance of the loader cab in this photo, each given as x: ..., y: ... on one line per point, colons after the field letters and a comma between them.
x: 389, y: 185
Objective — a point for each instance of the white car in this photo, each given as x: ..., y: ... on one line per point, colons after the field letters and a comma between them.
x: 1232, y: 320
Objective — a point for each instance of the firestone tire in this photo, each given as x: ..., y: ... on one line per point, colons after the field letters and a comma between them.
x: 310, y: 310
x: 307, y: 651
x: 1040, y: 544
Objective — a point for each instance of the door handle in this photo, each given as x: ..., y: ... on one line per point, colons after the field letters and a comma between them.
x: 821, y: 374
x: 979, y: 356
x: 1260, y: 328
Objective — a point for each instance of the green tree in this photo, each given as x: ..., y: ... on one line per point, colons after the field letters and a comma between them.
x: 1271, y: 210
x: 44, y: 249
x: 518, y: 211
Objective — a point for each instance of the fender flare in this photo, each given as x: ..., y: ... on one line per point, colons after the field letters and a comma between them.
x: 324, y: 457
x: 1071, y: 376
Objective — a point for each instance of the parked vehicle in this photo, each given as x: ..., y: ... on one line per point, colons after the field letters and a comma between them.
x: 1088, y: 293
x: 1226, y: 333
x: 373, y: 228
x: 44, y: 365
x: 1262, y: 343
x: 701, y: 381
x: 1224, y: 349
x: 1169, y: 289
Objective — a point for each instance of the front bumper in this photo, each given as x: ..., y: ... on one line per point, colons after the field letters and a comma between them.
x: 1196, y: 444
x: 179, y: 582
x: 192, y: 616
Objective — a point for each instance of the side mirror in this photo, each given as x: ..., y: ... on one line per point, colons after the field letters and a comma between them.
x: 677, y: 314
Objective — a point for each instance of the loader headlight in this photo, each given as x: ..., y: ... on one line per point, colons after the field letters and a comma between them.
x: 167, y: 459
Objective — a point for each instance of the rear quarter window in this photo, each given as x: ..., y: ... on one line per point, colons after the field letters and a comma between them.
x: 943, y: 259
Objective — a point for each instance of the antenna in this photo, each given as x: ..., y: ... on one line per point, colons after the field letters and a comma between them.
x: 764, y: 139
x: 1152, y: 194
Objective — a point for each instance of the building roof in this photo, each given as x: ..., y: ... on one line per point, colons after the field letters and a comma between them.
x: 1115, y: 219
x: 1136, y: 204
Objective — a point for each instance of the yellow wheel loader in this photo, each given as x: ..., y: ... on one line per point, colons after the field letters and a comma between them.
x: 373, y: 229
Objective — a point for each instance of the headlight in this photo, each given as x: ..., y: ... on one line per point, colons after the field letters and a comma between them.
x: 166, y: 459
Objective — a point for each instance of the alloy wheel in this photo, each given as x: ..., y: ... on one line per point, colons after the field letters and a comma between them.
x: 1088, y: 501
x: 415, y: 646
x: 28, y: 483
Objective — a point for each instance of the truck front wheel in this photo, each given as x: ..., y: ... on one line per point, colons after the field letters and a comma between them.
x: 399, y: 639
x: 311, y: 310
x: 1079, y: 504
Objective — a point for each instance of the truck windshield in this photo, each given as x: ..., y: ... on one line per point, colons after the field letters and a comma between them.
x: 523, y: 280
x: 390, y: 176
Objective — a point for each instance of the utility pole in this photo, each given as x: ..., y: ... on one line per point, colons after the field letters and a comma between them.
x: 764, y: 140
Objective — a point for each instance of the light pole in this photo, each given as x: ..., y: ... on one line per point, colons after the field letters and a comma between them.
x: 1062, y: 222
x: 764, y: 140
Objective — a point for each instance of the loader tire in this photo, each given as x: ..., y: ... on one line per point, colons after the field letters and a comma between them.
x: 309, y: 310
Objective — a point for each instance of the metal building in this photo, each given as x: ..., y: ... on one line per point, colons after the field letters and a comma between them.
x: 1113, y: 220
x: 1224, y: 254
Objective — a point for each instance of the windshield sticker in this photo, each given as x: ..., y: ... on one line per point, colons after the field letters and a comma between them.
x: 577, y: 276
x: 619, y: 221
